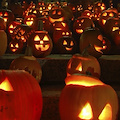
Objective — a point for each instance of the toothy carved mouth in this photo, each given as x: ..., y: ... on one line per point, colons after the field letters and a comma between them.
x: 97, y: 48
x: 42, y: 47
x: 29, y: 23
x: 53, y: 20
x: 115, y: 28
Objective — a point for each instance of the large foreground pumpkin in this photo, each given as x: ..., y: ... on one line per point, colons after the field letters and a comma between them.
x: 20, y: 96
x: 87, y: 98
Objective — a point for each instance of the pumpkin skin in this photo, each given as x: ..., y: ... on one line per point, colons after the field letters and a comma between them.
x: 83, y: 90
x: 21, y: 96
x: 2, y: 24
x: 3, y: 42
x: 94, y: 39
x: 83, y: 64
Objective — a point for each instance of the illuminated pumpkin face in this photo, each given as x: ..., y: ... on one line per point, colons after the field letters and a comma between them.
x: 111, y: 25
x: 94, y: 39
x: 81, y: 24
x: 106, y: 14
x: 41, y: 43
x: 99, y: 7
x: 87, y: 98
x: 60, y: 33
x: 31, y: 21
x: 56, y: 14
x: 86, y: 13
x: 10, y: 92
x: 12, y: 26
x: 66, y: 45
x: 7, y: 15
x: 83, y: 64
x: 16, y: 46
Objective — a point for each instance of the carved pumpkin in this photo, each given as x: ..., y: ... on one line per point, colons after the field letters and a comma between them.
x: 7, y: 15
x: 111, y: 25
x: 3, y: 42
x: 87, y: 98
x: 22, y: 32
x: 20, y: 95
x: 66, y: 45
x: 12, y: 26
x: 28, y: 63
x: 41, y: 43
x: 58, y: 33
x: 16, y: 46
x: 56, y: 14
x: 32, y: 21
x: 106, y: 14
x: 81, y: 24
x: 83, y: 64
x: 94, y: 38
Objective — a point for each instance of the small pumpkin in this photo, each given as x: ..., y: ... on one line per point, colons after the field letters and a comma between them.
x: 20, y: 96
x: 87, y: 98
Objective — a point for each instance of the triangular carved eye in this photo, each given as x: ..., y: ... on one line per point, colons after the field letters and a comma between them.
x: 79, y: 67
x: 36, y: 38
x: 6, y: 86
x: 86, y: 112
x: 106, y: 113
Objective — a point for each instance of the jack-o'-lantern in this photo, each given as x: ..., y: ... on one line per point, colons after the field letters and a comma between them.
x: 41, y: 43
x: 12, y: 26
x: 98, y: 7
x: 28, y: 63
x: 93, y: 38
x: 16, y: 46
x: 22, y: 32
x: 60, y: 33
x: 87, y: 98
x: 3, y: 42
x: 66, y: 45
x: 83, y: 64
x: 81, y: 24
x: 2, y: 24
x: 56, y: 14
x: 87, y: 13
x: 32, y: 21
x: 111, y: 25
x: 7, y: 15
x: 21, y: 96
x: 111, y: 12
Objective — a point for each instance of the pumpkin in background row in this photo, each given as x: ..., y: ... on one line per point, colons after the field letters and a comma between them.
x: 93, y: 38
x: 83, y: 64
x: 41, y: 43
x: 28, y: 63
x: 2, y: 24
x: 87, y: 98
x: 3, y: 42
x: 20, y: 96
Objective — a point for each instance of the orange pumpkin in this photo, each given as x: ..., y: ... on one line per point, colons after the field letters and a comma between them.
x: 20, y: 96
x: 87, y: 98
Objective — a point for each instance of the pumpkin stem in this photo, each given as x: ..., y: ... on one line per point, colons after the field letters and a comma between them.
x: 85, y: 52
x: 40, y: 26
x: 28, y: 51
